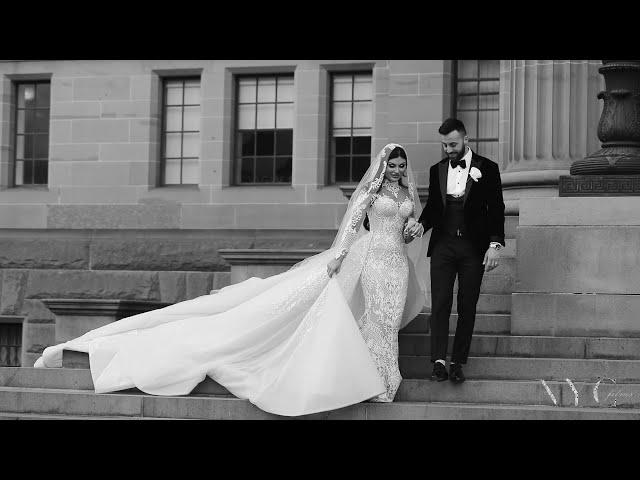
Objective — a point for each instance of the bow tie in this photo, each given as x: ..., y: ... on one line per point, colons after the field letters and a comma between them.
x: 455, y: 162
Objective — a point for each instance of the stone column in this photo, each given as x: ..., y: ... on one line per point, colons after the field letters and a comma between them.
x: 549, y: 115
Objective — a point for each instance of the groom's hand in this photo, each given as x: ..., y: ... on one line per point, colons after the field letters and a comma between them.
x: 491, y: 258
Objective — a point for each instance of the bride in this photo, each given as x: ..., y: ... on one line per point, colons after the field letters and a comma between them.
x: 320, y: 336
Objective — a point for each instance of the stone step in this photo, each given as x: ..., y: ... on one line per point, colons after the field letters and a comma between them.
x: 485, y: 323
x: 524, y: 392
x: 514, y: 368
x: 35, y: 416
x: 530, y: 392
x: 531, y: 346
x: 82, y: 404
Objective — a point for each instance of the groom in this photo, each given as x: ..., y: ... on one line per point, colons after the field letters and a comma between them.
x: 466, y: 210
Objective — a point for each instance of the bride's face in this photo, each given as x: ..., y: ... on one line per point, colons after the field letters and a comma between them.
x: 395, y: 169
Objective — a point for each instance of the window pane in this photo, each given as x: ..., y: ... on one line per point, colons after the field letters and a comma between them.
x: 172, y: 171
x: 467, y: 69
x: 360, y: 165
x: 467, y: 102
x: 342, y: 85
x: 246, y: 173
x: 489, y: 101
x: 42, y: 121
x: 21, y: 121
x: 342, y: 115
x: 492, y: 86
x: 247, y: 90
x: 26, y: 95
x: 19, y: 173
x: 469, y: 120
x: 174, y: 92
x: 284, y: 142
x: 488, y: 125
x: 468, y: 87
x: 362, y: 146
x: 27, y: 177
x: 191, y: 145
x: 28, y: 146
x: 284, y: 117
x: 190, y: 171
x: 342, y: 169
x: 266, y: 89
x: 192, y: 119
x: 362, y: 114
x: 43, y: 94
x: 40, y: 172
x: 246, y: 117
x: 264, y: 170
x: 488, y: 149
x: 172, y: 145
x: 264, y: 143
x: 173, y: 121
x: 362, y: 88
x: 29, y: 121
x: 343, y: 145
x: 266, y: 116
x: 285, y: 89
x: 361, y: 132
x: 41, y: 146
x: 20, y: 146
x: 283, y: 169
x: 192, y: 94
x: 247, y: 142
x: 489, y: 68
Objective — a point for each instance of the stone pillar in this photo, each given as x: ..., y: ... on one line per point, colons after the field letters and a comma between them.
x: 549, y: 114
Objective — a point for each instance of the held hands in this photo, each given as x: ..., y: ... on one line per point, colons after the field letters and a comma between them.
x: 491, y: 258
x: 333, y: 266
x: 412, y: 230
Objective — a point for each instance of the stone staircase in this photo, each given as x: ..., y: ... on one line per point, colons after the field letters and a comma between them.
x: 508, y: 377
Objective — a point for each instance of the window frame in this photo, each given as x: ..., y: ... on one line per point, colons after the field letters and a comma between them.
x: 14, y: 136
x: 163, y: 132
x: 331, y: 138
x: 478, y: 94
x: 237, y: 149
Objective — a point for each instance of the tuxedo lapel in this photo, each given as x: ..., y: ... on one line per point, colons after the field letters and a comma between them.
x: 475, y: 162
x: 444, y: 171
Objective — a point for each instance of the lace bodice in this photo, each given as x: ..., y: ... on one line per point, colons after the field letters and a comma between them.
x: 387, y: 217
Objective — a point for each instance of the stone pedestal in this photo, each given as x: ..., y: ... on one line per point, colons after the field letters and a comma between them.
x: 262, y: 262
x: 75, y: 317
x: 577, y: 271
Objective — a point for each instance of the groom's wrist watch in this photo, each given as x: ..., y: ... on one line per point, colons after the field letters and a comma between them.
x: 495, y: 245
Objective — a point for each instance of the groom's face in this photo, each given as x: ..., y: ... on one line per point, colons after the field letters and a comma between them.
x: 454, y: 144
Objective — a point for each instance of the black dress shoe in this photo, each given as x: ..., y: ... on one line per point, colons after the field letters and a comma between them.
x: 455, y: 373
x: 439, y: 372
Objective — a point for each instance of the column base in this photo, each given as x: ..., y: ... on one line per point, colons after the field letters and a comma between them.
x: 599, y: 185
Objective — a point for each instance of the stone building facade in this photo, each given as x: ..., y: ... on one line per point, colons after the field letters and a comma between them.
x: 124, y: 179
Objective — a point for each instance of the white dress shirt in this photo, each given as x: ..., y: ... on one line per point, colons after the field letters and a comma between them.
x: 457, y: 177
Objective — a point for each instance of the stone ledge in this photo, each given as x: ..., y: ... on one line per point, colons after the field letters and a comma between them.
x: 599, y: 185
x: 265, y: 256
x: 99, y: 307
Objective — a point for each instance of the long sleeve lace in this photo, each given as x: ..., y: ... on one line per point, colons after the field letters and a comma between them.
x: 362, y: 203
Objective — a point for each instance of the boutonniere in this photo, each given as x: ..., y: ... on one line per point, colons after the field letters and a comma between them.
x: 475, y: 174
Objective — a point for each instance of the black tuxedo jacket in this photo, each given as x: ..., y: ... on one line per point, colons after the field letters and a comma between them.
x: 483, y: 204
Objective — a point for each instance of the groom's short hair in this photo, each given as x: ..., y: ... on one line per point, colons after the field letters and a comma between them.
x: 451, y: 124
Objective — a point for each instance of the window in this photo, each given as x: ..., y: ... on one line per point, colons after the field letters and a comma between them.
x: 181, y: 131
x: 477, y: 103
x: 264, y: 129
x: 32, y: 133
x: 10, y: 344
x: 351, y: 121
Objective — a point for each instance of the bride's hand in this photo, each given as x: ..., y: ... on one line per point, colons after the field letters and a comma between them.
x: 333, y: 267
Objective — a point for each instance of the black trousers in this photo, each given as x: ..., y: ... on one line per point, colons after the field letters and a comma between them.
x: 453, y: 256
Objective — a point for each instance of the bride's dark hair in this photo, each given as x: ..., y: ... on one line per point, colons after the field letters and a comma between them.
x: 397, y: 152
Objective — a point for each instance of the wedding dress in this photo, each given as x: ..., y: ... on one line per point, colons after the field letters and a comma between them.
x: 294, y: 343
